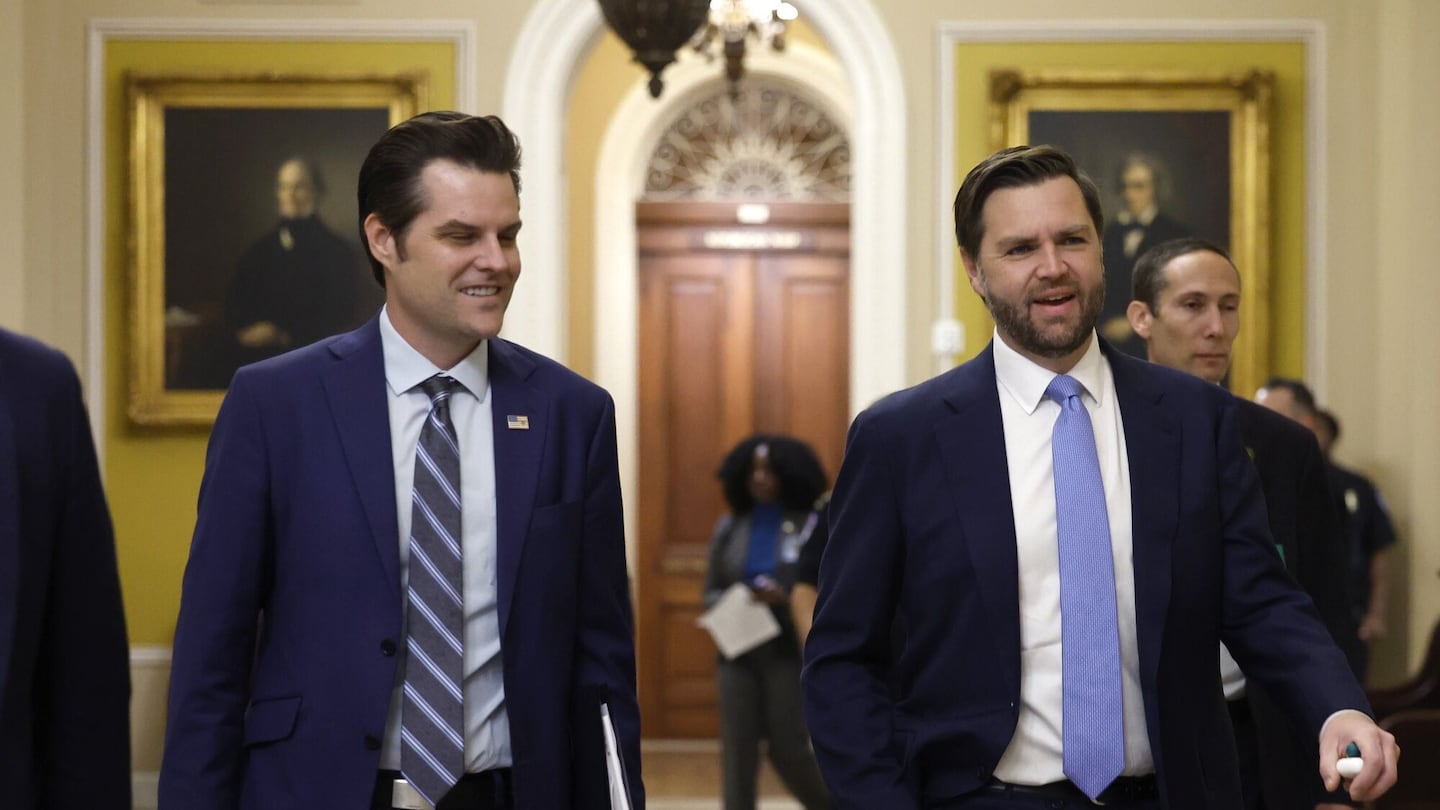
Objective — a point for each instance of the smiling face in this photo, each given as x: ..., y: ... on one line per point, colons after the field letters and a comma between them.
x: 1196, y: 317
x: 450, y: 275
x: 1039, y: 270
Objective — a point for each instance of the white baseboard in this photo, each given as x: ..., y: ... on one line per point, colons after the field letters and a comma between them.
x: 145, y: 785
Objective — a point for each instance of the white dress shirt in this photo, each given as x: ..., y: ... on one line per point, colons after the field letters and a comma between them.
x: 487, y: 727
x: 1034, y: 755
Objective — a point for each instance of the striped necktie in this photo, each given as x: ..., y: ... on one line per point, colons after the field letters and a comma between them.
x: 1093, y: 721
x: 433, y: 717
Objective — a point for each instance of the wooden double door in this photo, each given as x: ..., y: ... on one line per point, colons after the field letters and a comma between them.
x: 744, y: 328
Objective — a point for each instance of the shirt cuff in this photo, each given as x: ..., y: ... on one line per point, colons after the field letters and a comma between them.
x: 1326, y: 724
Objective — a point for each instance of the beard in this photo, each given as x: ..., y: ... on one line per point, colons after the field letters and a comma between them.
x: 1014, y: 319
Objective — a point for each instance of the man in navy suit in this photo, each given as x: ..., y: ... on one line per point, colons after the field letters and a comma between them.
x: 292, y: 681
x: 64, y: 659
x: 944, y: 522
x: 1185, y: 305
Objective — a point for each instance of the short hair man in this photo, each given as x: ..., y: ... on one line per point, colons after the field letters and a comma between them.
x: 1370, y: 534
x: 425, y: 521
x: 1047, y: 488
x: 1185, y: 305
x: 64, y: 659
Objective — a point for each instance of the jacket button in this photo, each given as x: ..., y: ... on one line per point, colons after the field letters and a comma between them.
x: 387, y: 648
x: 372, y: 743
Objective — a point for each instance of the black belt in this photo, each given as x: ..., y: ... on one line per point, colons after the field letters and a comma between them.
x: 1123, y: 789
x: 486, y: 790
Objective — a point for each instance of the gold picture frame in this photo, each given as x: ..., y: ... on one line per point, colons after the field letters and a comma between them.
x: 1210, y: 133
x: 206, y: 161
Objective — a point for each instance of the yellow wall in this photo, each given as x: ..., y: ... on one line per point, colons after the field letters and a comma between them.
x: 973, y: 63
x: 153, y: 475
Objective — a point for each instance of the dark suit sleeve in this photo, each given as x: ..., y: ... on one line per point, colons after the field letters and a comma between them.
x: 83, y: 676
x: 219, y: 607
x: 1269, y: 625
x: 1322, y: 564
x: 847, y: 703
x: 605, y: 654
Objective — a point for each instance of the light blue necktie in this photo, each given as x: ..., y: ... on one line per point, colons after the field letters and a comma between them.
x: 432, y: 753
x: 1094, y: 730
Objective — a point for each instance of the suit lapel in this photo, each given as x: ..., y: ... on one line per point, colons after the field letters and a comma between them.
x: 517, y: 460
x: 972, y: 449
x: 1152, y: 446
x: 355, y: 388
x: 9, y: 536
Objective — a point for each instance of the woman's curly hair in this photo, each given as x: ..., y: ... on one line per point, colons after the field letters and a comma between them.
x: 801, y: 477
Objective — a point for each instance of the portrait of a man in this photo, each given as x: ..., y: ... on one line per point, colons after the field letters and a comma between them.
x: 260, y: 257
x: 1162, y: 174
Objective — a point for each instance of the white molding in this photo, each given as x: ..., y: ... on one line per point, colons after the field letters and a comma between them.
x: 458, y: 33
x: 145, y: 789
x: 149, y: 656
x: 635, y: 127
x: 1309, y: 32
x: 555, y: 40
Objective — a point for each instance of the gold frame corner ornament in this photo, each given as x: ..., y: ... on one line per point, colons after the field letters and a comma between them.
x: 1248, y: 98
x: 148, y: 96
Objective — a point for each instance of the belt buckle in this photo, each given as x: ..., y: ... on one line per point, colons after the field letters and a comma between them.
x: 405, y: 797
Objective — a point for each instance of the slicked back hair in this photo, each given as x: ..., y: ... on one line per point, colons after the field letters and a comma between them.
x: 1148, y: 278
x: 390, y: 186
x: 1016, y: 167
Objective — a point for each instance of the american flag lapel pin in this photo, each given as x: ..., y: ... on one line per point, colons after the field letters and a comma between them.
x: 515, y: 422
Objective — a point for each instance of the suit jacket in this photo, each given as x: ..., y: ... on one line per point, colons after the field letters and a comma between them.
x: 64, y: 659
x: 922, y: 531
x: 291, y: 614
x: 1307, y: 528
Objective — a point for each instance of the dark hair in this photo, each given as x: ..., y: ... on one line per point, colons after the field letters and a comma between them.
x: 312, y: 169
x: 1330, y: 422
x: 1012, y: 168
x: 1299, y: 391
x: 390, y: 184
x: 1148, y: 280
x: 796, y: 467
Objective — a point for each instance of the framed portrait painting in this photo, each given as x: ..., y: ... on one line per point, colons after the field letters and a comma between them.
x: 1173, y: 155
x: 244, y: 235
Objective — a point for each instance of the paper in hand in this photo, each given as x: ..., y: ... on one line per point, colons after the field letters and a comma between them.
x: 738, y: 622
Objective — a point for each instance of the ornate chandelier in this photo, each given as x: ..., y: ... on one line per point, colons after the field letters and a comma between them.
x: 655, y: 29
x: 732, y: 22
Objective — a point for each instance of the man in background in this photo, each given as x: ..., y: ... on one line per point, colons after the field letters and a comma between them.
x: 64, y: 658
x: 1185, y: 304
x: 1369, y: 533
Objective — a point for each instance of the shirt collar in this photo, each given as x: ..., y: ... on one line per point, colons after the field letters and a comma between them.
x: 1025, y: 381
x: 406, y: 368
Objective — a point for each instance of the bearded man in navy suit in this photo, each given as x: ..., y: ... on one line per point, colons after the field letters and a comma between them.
x: 64, y: 660
x: 946, y: 524
x: 295, y: 648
